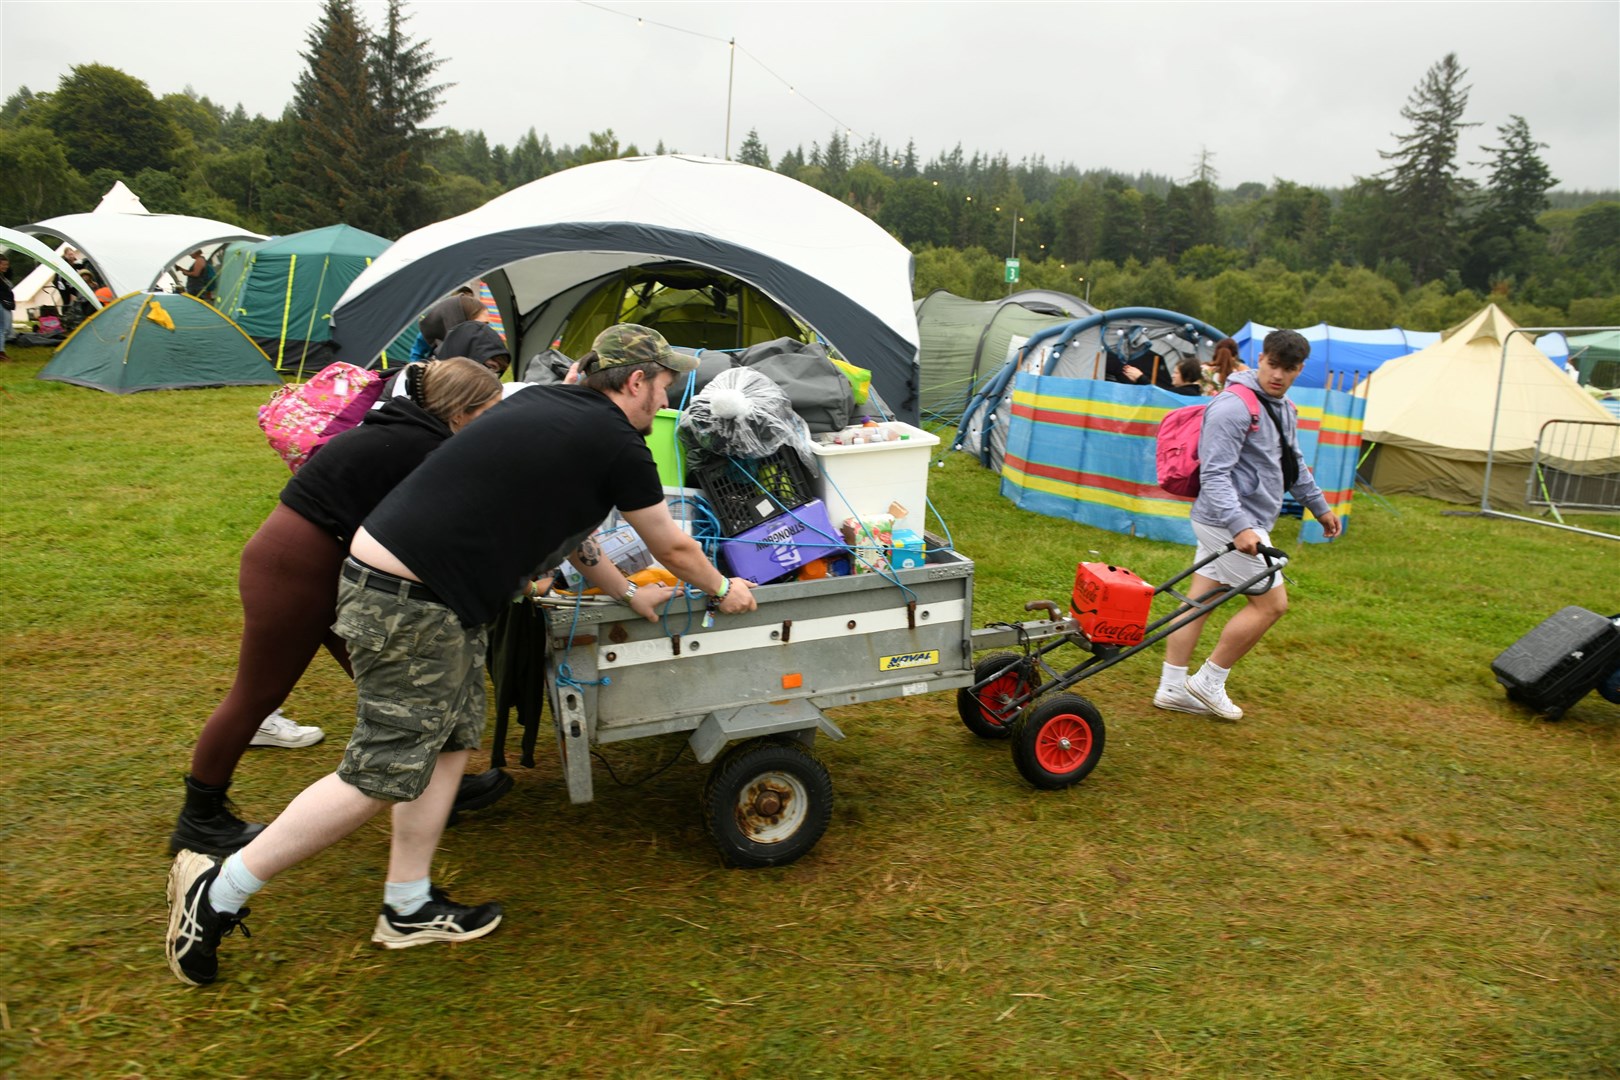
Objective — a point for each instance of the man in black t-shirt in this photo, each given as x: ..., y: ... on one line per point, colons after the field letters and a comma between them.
x: 508, y: 497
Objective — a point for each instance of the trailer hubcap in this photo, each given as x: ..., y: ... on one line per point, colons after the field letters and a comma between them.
x: 772, y: 808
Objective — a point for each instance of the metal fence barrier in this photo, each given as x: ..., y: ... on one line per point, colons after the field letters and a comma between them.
x: 1566, y: 486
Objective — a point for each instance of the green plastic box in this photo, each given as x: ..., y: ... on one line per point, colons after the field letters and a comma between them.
x: 667, y: 449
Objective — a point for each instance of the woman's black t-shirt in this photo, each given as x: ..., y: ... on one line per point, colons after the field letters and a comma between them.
x: 346, y: 479
x: 513, y: 494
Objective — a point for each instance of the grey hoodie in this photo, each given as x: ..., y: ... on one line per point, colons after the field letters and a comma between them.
x: 1240, y: 471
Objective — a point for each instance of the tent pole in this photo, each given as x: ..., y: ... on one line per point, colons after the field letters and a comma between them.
x: 731, y: 77
x: 286, y: 309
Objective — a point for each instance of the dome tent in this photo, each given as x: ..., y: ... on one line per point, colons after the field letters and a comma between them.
x: 827, y: 264
x: 1070, y: 444
x: 961, y: 338
x: 1434, y: 414
x: 158, y: 341
x: 39, y: 287
x: 135, y: 251
x: 281, y: 292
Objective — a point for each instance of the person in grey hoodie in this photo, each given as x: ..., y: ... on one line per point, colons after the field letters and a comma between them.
x: 1246, y: 465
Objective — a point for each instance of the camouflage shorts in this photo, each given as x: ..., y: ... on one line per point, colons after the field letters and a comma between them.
x: 419, y: 675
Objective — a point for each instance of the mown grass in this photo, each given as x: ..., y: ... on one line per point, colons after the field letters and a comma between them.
x: 1385, y: 871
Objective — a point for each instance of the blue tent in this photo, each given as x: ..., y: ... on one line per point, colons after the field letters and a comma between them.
x: 1080, y: 349
x: 1342, y: 358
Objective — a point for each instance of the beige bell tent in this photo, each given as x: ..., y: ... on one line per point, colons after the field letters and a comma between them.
x: 1430, y: 416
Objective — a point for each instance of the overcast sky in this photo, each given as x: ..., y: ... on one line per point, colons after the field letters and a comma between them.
x: 1308, y: 92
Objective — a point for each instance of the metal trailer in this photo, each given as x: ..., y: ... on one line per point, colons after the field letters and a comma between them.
x: 750, y: 689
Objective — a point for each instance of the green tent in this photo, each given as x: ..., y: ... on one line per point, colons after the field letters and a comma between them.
x: 158, y: 341
x: 1597, y: 357
x: 281, y: 292
x: 962, y: 341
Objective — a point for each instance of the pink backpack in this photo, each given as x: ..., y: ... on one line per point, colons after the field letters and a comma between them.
x: 1177, y: 451
x: 300, y: 418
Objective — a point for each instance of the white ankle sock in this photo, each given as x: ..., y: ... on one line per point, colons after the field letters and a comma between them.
x: 233, y: 886
x: 1213, y: 674
x: 406, y: 897
x: 1172, y: 677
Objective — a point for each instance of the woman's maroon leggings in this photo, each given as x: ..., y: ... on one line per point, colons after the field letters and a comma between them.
x: 288, y: 583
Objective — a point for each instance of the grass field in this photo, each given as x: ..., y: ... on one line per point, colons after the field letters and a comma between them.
x: 1385, y: 870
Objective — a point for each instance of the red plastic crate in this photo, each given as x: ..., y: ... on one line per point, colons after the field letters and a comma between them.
x: 1110, y: 603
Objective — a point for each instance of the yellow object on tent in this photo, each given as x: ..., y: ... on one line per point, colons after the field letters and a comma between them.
x: 159, y: 316
x: 860, y: 380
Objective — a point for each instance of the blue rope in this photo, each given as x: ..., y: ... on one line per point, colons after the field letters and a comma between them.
x: 565, y: 674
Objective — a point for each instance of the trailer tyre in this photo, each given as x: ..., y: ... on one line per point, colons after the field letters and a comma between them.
x: 767, y: 802
x: 1058, y: 742
x: 985, y: 713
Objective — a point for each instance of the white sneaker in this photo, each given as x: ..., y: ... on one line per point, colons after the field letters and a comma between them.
x: 277, y: 730
x: 1215, y: 698
x: 1176, y: 699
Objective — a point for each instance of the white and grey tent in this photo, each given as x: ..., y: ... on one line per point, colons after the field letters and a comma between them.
x: 542, y: 248
x: 133, y: 252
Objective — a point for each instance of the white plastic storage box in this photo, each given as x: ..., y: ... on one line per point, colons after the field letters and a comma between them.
x: 860, y: 481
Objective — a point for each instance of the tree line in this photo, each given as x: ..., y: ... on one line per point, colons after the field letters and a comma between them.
x: 1417, y: 245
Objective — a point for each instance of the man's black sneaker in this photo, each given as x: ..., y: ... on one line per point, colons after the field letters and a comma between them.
x: 440, y: 919
x: 194, y: 926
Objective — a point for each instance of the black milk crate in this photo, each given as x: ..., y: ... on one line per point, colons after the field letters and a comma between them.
x: 746, y: 492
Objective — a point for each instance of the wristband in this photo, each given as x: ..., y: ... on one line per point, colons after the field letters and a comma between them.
x: 630, y: 588
x: 725, y: 587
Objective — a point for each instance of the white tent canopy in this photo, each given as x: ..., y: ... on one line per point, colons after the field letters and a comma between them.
x: 52, y: 265
x: 133, y: 251
x: 39, y: 287
x: 831, y: 266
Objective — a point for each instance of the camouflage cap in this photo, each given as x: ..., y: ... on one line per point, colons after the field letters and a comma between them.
x: 628, y: 343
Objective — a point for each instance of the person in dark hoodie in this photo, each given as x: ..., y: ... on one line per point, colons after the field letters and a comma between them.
x: 1247, y: 465
x: 289, y: 576
x: 479, y: 342
x: 438, y: 320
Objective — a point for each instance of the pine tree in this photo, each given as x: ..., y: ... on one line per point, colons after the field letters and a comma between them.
x: 753, y: 151
x: 332, y: 158
x: 405, y: 99
x: 1427, y: 194
x: 1499, y: 245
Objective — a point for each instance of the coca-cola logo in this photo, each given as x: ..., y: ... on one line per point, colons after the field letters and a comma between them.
x: 1118, y: 633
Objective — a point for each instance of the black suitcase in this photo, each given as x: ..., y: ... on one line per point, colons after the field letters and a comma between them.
x: 1553, y: 666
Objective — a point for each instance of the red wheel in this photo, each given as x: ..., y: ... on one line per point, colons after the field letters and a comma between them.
x: 986, y: 713
x: 1058, y: 742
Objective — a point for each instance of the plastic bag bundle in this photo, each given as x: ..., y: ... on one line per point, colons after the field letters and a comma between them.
x: 743, y: 414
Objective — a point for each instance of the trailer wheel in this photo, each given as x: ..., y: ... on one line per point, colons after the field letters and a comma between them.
x: 1059, y: 741
x: 986, y: 713
x: 767, y: 802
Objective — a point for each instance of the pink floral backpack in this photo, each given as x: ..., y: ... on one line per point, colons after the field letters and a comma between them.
x: 300, y: 418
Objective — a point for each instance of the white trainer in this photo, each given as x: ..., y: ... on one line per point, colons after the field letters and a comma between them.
x: 1176, y: 699
x: 277, y: 730
x: 1215, y: 698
